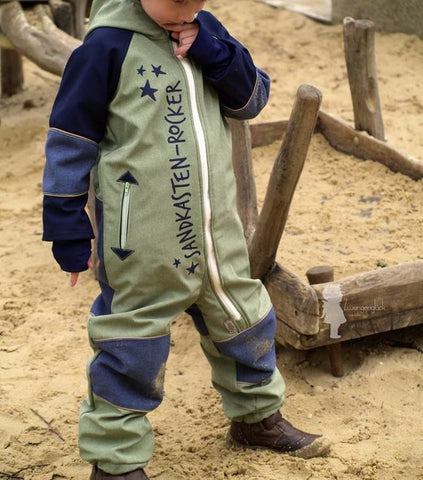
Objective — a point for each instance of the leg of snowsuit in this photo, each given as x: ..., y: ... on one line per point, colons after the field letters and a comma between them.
x: 126, y: 377
x: 127, y: 371
x: 243, y: 364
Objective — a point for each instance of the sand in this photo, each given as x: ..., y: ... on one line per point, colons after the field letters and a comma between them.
x: 346, y: 212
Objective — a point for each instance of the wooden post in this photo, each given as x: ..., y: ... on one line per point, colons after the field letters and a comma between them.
x: 243, y: 168
x: 324, y: 274
x: 79, y: 12
x: 63, y: 16
x: 359, y: 44
x: 12, y: 77
x: 283, y: 180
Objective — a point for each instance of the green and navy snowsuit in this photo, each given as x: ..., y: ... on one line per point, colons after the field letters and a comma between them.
x: 150, y: 128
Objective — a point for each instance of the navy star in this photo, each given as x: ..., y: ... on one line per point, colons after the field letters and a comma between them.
x: 192, y: 268
x: 141, y: 70
x: 177, y: 262
x: 148, y: 90
x: 157, y: 70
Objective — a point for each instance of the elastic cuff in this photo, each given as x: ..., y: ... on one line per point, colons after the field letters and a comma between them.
x: 72, y: 256
x: 120, y: 469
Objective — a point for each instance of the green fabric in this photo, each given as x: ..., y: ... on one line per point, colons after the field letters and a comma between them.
x: 151, y: 134
x: 114, y: 439
x: 242, y: 401
x: 158, y: 220
x: 125, y: 14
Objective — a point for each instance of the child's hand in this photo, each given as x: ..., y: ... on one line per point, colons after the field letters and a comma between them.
x: 185, y: 34
x: 74, y: 275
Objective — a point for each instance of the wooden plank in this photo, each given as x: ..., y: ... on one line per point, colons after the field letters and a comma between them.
x: 79, y: 12
x: 347, y: 140
x: 378, y: 293
x: 243, y: 168
x: 266, y: 133
x: 359, y: 46
x: 283, y: 180
x: 285, y: 334
x: 49, y: 48
x: 295, y: 302
x: 12, y: 77
x: 63, y: 16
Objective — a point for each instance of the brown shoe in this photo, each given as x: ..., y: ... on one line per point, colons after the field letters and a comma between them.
x: 97, y: 474
x: 275, y: 433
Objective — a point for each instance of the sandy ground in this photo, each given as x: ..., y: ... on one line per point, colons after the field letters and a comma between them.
x: 346, y: 212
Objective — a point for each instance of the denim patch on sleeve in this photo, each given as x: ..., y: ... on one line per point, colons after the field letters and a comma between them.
x: 69, y: 161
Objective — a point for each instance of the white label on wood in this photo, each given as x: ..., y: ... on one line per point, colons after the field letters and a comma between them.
x: 332, y: 311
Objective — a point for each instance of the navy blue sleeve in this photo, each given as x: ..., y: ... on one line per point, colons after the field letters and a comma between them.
x: 243, y: 88
x: 77, y: 125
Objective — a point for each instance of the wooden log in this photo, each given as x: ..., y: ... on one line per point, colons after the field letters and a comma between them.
x: 320, y: 274
x: 243, y: 168
x: 295, y: 302
x: 383, y: 292
x: 347, y: 140
x: 63, y: 16
x: 12, y: 76
x: 49, y: 49
x: 79, y: 12
x: 359, y: 45
x: 350, y: 331
x: 268, y: 132
x: 325, y: 274
x: 284, y: 178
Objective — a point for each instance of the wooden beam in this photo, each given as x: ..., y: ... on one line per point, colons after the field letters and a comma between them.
x: 268, y: 132
x: 79, y: 12
x: 383, y: 292
x: 11, y: 70
x: 347, y: 140
x: 49, y: 48
x: 284, y: 178
x: 243, y: 168
x: 359, y: 46
x: 295, y: 302
x: 63, y: 16
x: 350, y: 330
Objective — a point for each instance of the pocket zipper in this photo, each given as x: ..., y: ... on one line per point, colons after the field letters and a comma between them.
x: 124, y: 214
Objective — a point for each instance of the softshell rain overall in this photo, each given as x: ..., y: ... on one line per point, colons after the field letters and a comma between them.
x: 150, y: 127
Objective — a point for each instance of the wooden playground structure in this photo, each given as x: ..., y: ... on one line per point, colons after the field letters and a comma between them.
x: 325, y: 311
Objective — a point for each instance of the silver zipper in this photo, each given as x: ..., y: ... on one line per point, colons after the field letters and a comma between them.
x: 211, y: 257
x: 124, y: 222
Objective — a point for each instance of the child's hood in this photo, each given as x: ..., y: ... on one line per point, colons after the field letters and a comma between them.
x: 124, y: 14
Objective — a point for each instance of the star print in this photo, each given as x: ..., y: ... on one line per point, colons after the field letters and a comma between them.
x: 177, y: 262
x: 141, y: 70
x: 157, y: 70
x: 191, y: 269
x: 147, y: 90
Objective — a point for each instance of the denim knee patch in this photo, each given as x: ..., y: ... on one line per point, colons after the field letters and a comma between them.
x: 129, y: 373
x: 253, y: 351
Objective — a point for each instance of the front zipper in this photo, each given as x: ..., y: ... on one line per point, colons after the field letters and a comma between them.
x: 124, y: 214
x: 211, y: 256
